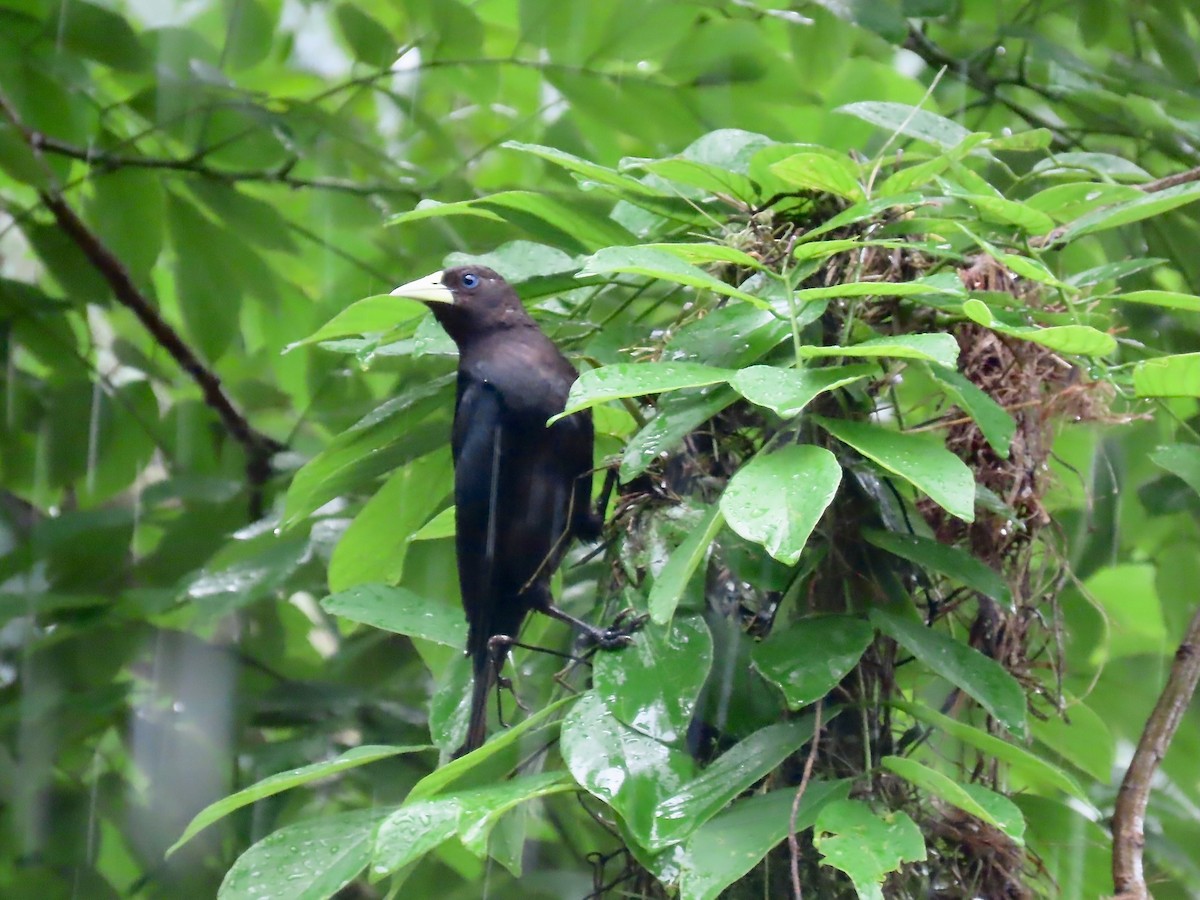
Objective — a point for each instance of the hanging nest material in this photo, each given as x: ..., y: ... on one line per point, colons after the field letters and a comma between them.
x: 1038, y: 387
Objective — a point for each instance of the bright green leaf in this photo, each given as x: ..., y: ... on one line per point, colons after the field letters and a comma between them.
x: 923, y: 462
x: 777, y: 498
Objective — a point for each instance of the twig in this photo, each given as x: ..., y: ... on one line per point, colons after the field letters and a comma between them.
x: 1129, y: 816
x: 793, y: 843
x: 258, y: 447
x: 109, y: 161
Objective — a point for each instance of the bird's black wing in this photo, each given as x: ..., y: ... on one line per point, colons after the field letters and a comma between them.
x: 479, y: 443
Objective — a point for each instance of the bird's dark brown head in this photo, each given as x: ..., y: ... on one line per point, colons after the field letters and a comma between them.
x: 469, y: 301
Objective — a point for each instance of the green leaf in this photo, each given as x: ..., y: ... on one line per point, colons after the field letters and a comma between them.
x: 1118, y: 168
x: 97, y: 33
x: 567, y: 222
x: 394, y: 433
x: 275, y: 784
x: 1011, y: 822
x: 370, y: 42
x: 378, y: 314
x: 678, y: 815
x: 1079, y: 339
x: 938, y: 348
x: 776, y: 499
x: 671, y: 582
x: 586, y: 169
x: 1081, y: 737
x: 922, y: 461
x: 1010, y: 212
x: 678, y: 416
x: 637, y: 380
x: 626, y: 769
x: 909, y: 120
x: 703, y: 254
x: 997, y: 426
x: 980, y: 676
x: 1167, y: 299
x: 401, y: 611
x: 17, y: 159
x: 1168, y: 376
x: 652, y: 686
x: 877, y: 289
x: 952, y: 562
x: 1181, y: 460
x: 256, y: 220
x: 1022, y: 141
x: 1020, y: 759
x: 819, y: 172
x: 866, y: 845
x: 810, y: 657
x: 861, y: 211
x: 787, y: 391
x: 922, y: 173
x: 1144, y: 207
x: 660, y: 264
x: 286, y: 864
x: 730, y: 844
x: 440, y: 526
x: 437, y: 780
x: 711, y: 179
x: 128, y: 209
x: 375, y: 545
x: 418, y: 827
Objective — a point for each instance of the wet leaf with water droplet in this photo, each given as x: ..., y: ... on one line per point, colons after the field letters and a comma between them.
x: 919, y: 459
x: 637, y: 380
x: 811, y: 656
x: 623, y: 767
x: 787, y: 391
x: 311, y: 860
x: 400, y: 610
x: 652, y: 685
x: 777, y: 498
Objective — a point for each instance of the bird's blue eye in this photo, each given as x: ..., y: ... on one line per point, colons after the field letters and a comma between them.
x: 470, y: 280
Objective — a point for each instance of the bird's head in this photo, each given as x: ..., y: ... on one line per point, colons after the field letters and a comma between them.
x: 468, y: 301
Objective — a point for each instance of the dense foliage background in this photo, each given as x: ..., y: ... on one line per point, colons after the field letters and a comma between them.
x: 209, y: 481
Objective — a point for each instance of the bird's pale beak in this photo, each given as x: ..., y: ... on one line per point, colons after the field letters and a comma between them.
x: 428, y: 290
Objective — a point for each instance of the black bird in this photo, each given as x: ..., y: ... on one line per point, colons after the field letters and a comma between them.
x: 522, y: 490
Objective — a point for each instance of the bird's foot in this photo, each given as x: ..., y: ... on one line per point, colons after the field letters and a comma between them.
x: 620, y: 633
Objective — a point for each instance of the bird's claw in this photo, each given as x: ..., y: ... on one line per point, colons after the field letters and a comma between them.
x: 620, y: 633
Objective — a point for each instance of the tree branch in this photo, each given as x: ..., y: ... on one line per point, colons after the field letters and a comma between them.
x: 1129, y: 817
x: 257, y: 446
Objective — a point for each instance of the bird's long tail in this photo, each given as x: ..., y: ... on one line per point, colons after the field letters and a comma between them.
x: 485, y: 678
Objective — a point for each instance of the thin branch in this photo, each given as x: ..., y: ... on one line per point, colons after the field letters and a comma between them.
x: 196, y: 165
x: 258, y: 447
x: 793, y: 843
x: 1129, y: 816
